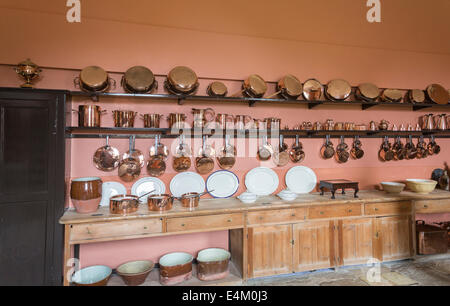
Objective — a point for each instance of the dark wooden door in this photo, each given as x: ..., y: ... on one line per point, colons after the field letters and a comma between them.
x: 31, y: 186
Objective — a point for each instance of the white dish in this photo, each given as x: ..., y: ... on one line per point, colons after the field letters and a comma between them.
x: 247, y: 197
x: 261, y: 181
x: 91, y: 275
x: 301, y: 179
x: 186, y: 182
x: 110, y: 189
x: 147, y: 184
x: 222, y: 184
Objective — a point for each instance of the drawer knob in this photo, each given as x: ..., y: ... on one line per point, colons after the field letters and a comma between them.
x: 229, y: 220
x: 349, y: 210
x: 145, y: 227
x: 376, y: 209
x: 293, y: 215
x: 182, y: 224
x: 260, y: 218
x: 425, y: 206
x: 321, y: 212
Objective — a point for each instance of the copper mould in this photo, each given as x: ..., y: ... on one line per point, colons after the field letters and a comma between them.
x: 94, y: 79
x: 437, y: 94
x: 182, y: 80
x: 367, y: 92
x: 217, y: 89
x: 139, y: 79
x: 89, y: 115
x: 338, y: 90
x: 312, y: 90
x: 392, y: 95
x: 106, y: 158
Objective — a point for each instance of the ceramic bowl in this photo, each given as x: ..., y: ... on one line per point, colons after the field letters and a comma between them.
x: 247, y: 197
x: 175, y: 268
x: 134, y: 273
x: 92, y: 276
x: 420, y: 185
x: 392, y: 187
x: 212, y: 264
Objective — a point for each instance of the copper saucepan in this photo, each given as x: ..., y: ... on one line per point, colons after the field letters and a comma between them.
x: 191, y: 199
x: 289, y: 87
x: 94, y: 79
x: 160, y: 202
x: 106, y: 158
x: 312, y: 90
x: 367, y: 92
x: 254, y: 87
x: 139, y: 79
x: 131, y: 164
x: 89, y: 115
x: 437, y: 94
x: 217, y: 89
x: 125, y: 204
x: 338, y: 90
x: 181, y: 80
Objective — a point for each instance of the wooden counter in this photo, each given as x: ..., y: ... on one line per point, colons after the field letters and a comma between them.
x: 272, y: 236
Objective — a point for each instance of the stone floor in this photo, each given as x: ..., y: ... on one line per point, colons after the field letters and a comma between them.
x: 432, y: 270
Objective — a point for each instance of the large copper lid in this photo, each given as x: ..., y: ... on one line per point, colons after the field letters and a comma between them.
x: 94, y: 77
x: 182, y: 79
x: 391, y: 95
x: 290, y: 86
x: 312, y: 90
x: 338, y: 89
x: 437, y: 94
x: 139, y: 79
x: 217, y: 89
x: 255, y: 86
x: 416, y: 96
x: 368, y: 91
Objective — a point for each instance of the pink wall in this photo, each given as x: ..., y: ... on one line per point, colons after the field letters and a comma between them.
x: 118, y: 46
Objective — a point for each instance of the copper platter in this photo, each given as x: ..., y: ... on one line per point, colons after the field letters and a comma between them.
x: 391, y: 95
x: 93, y: 79
x: 182, y: 80
x: 437, y: 94
x: 416, y: 96
x: 338, y: 90
x: 290, y: 87
x: 312, y: 90
x: 367, y: 92
x: 254, y: 86
x: 139, y: 79
x: 217, y: 89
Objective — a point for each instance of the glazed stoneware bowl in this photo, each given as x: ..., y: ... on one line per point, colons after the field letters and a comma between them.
x: 212, y: 264
x: 175, y: 268
x: 92, y: 276
x: 134, y: 273
x: 392, y: 187
x: 420, y: 185
x: 86, y: 194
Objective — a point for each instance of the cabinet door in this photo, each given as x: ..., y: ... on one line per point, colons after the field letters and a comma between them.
x: 314, y: 245
x: 355, y: 241
x: 393, y: 238
x: 270, y: 250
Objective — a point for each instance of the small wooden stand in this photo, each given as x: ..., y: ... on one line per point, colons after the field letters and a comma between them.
x: 334, y: 185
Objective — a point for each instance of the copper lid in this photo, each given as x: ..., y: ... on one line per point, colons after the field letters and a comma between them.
x: 368, y: 91
x: 338, y: 89
x: 94, y: 77
x: 139, y: 79
x: 392, y: 95
x: 255, y: 86
x: 217, y: 89
x: 182, y: 79
x: 416, y: 96
x: 437, y: 94
x: 291, y: 86
x: 312, y: 90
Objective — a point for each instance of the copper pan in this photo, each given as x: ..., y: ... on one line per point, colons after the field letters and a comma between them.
x: 160, y: 202
x: 131, y: 164
x: 226, y: 157
x: 415, y: 96
x: 181, y: 80
x: 205, y: 162
x: 265, y: 151
x: 437, y: 94
x: 217, y: 89
x: 106, y: 158
x: 151, y: 120
x: 391, y: 95
x: 182, y: 156
x: 312, y: 90
x: 338, y: 90
x: 156, y: 165
x: 289, y: 87
x: 281, y: 156
x: 254, y: 87
x: 327, y: 151
x: 94, y: 79
x: 89, y: 115
x: 124, y: 118
x: 139, y: 79
x: 367, y: 92
x: 296, y: 153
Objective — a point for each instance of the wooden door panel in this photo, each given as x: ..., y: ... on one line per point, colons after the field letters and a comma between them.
x: 394, y: 237
x: 270, y: 250
x: 355, y: 241
x: 313, y: 245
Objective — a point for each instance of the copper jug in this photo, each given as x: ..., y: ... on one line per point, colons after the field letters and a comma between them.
x: 427, y: 122
x: 440, y: 122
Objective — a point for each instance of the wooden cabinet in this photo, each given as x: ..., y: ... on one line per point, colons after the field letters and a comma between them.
x: 432, y: 206
x: 313, y: 245
x: 205, y: 223
x: 355, y: 241
x: 270, y: 250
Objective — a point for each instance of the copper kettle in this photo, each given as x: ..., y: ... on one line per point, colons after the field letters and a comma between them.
x: 440, y: 122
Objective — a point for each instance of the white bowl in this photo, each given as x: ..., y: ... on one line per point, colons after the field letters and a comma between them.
x: 247, y: 197
x: 287, y: 195
x: 421, y: 186
x: 392, y: 187
x: 93, y: 275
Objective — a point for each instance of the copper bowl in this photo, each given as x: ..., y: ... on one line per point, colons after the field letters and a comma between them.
x: 175, y: 268
x: 160, y: 202
x: 92, y: 276
x: 212, y: 264
x: 86, y: 194
x: 123, y: 204
x: 134, y: 273
x: 94, y: 79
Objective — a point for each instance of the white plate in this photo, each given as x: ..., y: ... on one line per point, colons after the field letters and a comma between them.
x: 110, y: 189
x: 301, y: 179
x: 261, y: 181
x: 147, y: 184
x: 187, y: 182
x: 222, y: 184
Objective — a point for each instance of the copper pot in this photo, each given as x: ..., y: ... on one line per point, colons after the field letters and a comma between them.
x: 289, y: 87
x: 123, y: 204
x: 86, y: 194
x: 124, y: 118
x: 151, y: 120
x: 367, y: 92
x: 416, y: 96
x: 160, y: 202
x: 338, y: 90
x: 437, y: 94
x: 94, y: 79
x: 254, y: 87
x: 312, y: 90
x: 89, y: 115
x: 191, y: 199
x: 182, y: 80
x: 391, y: 95
x: 175, y: 268
x: 176, y: 120
x: 217, y: 89
x: 139, y: 79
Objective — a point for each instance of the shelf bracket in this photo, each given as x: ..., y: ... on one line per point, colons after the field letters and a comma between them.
x: 311, y: 105
x: 365, y: 106
x: 251, y: 103
x: 181, y: 101
x: 418, y: 107
x: 95, y: 98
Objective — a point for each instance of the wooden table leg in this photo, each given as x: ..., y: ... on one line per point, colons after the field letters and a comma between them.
x: 67, y: 254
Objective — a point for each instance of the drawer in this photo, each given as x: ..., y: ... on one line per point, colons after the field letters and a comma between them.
x: 432, y: 206
x: 205, y: 223
x: 388, y: 208
x: 334, y: 211
x: 105, y: 230
x: 276, y: 216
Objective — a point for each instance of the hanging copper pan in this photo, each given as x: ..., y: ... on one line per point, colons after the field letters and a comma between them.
x: 94, y: 79
x: 338, y: 90
x: 367, y: 92
x: 139, y: 79
x: 437, y: 94
x: 391, y: 95
x: 130, y: 165
x: 312, y: 90
x: 181, y: 80
x: 289, y: 87
x: 217, y: 89
x: 106, y: 158
x: 416, y: 96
